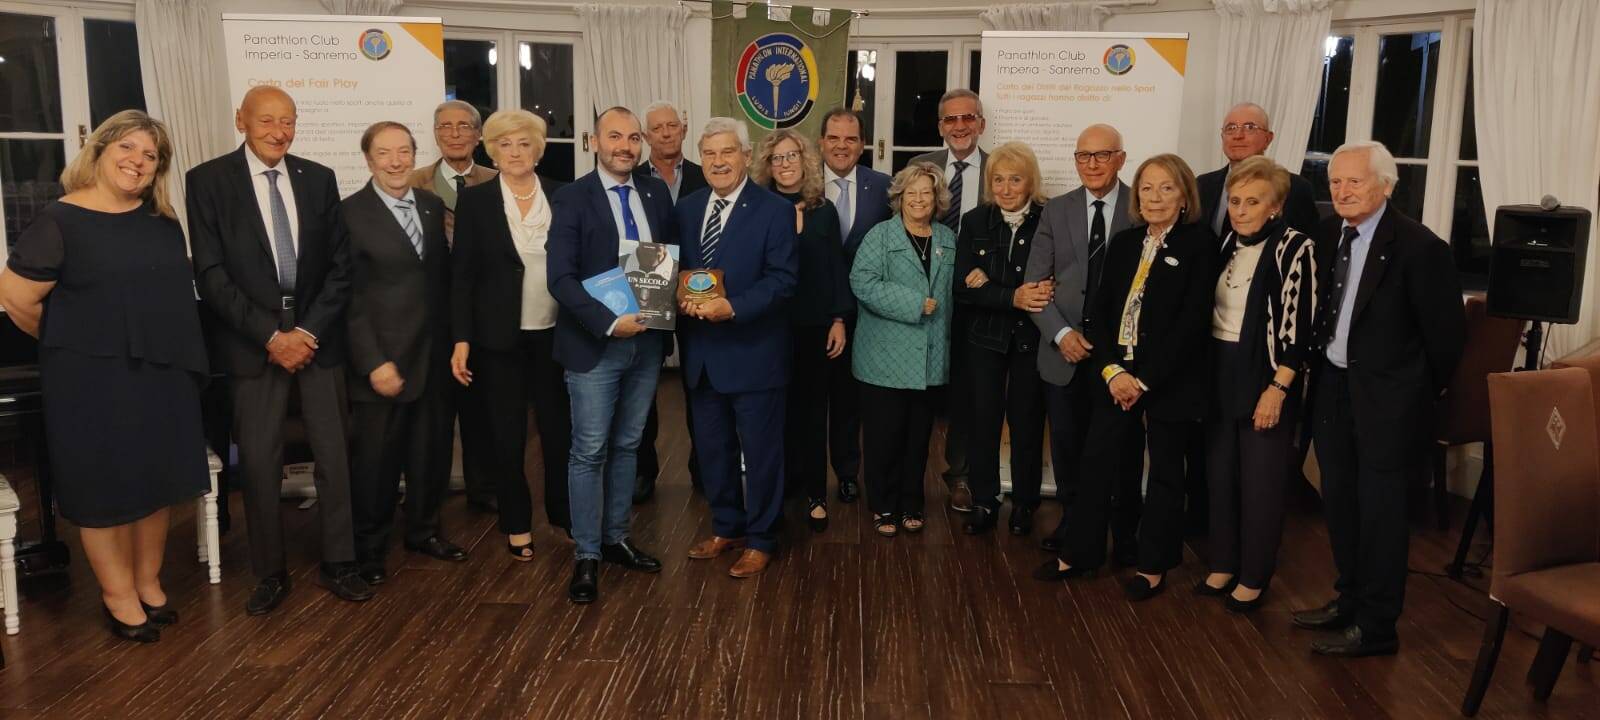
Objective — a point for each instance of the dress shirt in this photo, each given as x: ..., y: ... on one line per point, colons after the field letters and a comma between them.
x: 830, y: 188
x: 727, y: 210
x: 971, y: 178
x: 530, y: 233
x: 1339, y: 342
x: 450, y: 174
x: 393, y: 203
x: 258, y: 182
x: 614, y: 199
x: 1108, y: 209
x: 672, y: 187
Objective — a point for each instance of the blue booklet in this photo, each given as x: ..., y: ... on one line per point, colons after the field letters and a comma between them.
x: 611, y: 288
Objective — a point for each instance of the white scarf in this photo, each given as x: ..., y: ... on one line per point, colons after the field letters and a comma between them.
x: 528, y: 232
x: 1014, y: 218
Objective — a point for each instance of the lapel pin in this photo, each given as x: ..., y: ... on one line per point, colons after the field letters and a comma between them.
x: 1171, y: 260
x: 983, y: 252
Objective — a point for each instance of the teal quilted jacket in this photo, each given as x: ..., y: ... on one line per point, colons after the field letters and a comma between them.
x: 896, y: 346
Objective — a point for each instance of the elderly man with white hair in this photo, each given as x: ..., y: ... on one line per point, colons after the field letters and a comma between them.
x: 664, y: 130
x: 1388, y: 334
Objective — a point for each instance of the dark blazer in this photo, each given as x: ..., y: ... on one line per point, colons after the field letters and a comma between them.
x: 1406, y: 332
x: 485, y: 269
x: 399, y: 303
x: 1061, y: 251
x: 822, y: 289
x: 1174, y: 324
x: 233, y: 260
x: 1300, y: 209
x: 584, y: 242
x: 987, y: 243
x: 871, y: 205
x: 694, y: 178
x: 749, y: 352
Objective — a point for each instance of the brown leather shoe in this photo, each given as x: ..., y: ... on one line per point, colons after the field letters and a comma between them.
x: 714, y: 546
x: 751, y: 563
x: 960, y: 496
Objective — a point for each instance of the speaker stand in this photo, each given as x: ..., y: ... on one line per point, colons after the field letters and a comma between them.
x: 1532, y: 344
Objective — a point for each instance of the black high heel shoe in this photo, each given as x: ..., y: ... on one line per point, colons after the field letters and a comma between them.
x: 817, y: 524
x: 159, y: 616
x: 144, y: 633
x: 1243, y: 607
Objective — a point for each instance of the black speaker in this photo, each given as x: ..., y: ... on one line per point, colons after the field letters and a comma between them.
x: 1536, y: 267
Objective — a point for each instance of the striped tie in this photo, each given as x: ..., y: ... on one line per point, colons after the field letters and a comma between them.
x: 952, y: 217
x: 282, y: 236
x: 713, y: 234
x: 408, y: 220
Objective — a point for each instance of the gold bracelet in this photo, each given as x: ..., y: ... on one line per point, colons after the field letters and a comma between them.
x: 1111, y: 371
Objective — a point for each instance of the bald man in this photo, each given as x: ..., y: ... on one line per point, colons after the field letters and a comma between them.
x: 1247, y: 132
x: 270, y: 262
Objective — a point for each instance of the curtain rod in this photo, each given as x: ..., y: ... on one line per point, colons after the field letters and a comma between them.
x: 923, y: 10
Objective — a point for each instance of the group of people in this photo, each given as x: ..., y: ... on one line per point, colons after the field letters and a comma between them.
x: 852, y: 305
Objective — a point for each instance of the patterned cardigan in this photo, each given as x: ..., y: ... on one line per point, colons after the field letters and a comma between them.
x: 1290, y: 309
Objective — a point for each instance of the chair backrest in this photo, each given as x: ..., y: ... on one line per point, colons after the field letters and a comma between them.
x: 1491, y: 348
x: 1547, y: 471
x: 1587, y: 362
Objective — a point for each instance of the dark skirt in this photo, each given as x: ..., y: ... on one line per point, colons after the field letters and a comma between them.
x: 125, y: 436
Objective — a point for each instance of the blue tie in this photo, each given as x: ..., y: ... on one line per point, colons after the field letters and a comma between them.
x: 846, y: 217
x: 410, y: 224
x: 282, y: 236
x: 630, y: 227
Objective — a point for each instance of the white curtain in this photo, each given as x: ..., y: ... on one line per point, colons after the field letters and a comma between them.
x: 1269, y: 52
x: 362, y: 7
x: 1052, y: 16
x: 1536, y: 65
x: 636, y: 55
x: 179, y: 46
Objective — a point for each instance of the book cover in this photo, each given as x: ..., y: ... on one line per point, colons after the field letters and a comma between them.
x: 611, y: 289
x: 652, y: 272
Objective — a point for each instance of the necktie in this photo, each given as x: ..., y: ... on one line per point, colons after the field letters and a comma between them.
x: 952, y: 217
x: 630, y: 227
x: 1222, y: 224
x: 846, y: 217
x: 461, y: 183
x: 712, y: 234
x: 282, y: 236
x: 1097, y: 246
x: 1341, y: 275
x: 409, y: 223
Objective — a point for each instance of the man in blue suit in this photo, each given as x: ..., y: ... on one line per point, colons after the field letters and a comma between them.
x: 612, y: 361
x: 861, y: 195
x: 736, y: 348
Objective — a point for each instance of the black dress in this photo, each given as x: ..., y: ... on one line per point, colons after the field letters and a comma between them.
x: 121, y: 361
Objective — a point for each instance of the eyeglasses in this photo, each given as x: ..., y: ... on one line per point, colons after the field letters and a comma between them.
x: 1101, y: 156
x: 1245, y: 128
x: 964, y: 119
x: 788, y: 158
x: 460, y: 128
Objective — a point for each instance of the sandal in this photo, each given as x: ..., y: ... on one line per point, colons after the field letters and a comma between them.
x: 883, y: 524
x: 912, y: 522
x: 818, y: 524
x: 523, y: 553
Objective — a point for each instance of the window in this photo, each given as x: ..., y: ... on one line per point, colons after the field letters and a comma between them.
x: 544, y: 75
x: 494, y: 69
x: 900, y: 84
x: 1469, y: 219
x: 920, y: 80
x: 860, y: 93
x: 1408, y: 72
x: 1333, y: 109
x: 469, y: 75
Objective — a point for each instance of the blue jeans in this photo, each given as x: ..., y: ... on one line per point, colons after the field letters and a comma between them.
x: 609, y: 406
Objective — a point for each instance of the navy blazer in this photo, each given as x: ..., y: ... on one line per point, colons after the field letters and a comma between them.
x: 749, y: 352
x: 871, y: 206
x: 583, y: 243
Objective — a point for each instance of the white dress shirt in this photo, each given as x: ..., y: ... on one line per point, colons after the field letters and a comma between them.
x: 258, y: 182
x: 614, y: 199
x: 530, y: 233
x: 711, y: 204
x: 971, y: 178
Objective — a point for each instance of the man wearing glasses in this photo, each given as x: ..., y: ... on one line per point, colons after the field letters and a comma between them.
x: 1246, y: 133
x: 457, y: 129
x: 961, y: 125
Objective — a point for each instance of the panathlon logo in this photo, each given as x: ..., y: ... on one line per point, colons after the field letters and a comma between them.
x: 1118, y: 59
x: 376, y: 44
x: 776, y: 80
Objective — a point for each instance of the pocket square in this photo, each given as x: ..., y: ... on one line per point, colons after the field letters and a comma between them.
x: 1171, y: 260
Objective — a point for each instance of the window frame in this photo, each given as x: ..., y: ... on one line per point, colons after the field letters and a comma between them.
x: 956, y: 49
x: 508, y: 88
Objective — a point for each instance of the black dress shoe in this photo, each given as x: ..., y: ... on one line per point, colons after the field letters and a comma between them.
x: 1204, y: 589
x: 439, y: 548
x: 145, y: 632
x: 585, y: 587
x: 486, y: 505
x: 1354, y: 643
x: 1050, y: 543
x: 160, y: 616
x: 345, y: 583
x: 1051, y: 571
x: 644, y: 488
x: 982, y: 519
x: 628, y: 555
x: 373, y: 574
x: 1138, y: 589
x: 1327, y: 617
x: 269, y: 593
x: 848, y: 490
x: 1021, y: 520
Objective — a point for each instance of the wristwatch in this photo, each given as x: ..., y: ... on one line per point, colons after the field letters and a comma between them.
x: 1279, y: 385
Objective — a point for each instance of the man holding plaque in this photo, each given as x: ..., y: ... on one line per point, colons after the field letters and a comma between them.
x: 612, y: 361
x: 739, y: 268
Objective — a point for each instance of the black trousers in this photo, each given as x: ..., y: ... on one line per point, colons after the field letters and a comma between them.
x: 957, y: 403
x: 1365, y: 506
x: 1070, y: 408
x: 895, y: 425
x: 1110, y: 470
x: 1249, y: 479
x: 844, y: 412
x: 260, y: 406
x: 477, y: 446
x: 805, y: 443
x: 1197, y: 496
x: 391, y: 439
x: 511, y: 380
x: 1006, y: 390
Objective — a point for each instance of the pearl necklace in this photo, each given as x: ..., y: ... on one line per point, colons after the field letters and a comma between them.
x: 529, y: 196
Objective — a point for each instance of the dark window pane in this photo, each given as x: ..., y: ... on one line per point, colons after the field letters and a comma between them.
x: 1469, y: 124
x: 1408, y: 68
x: 1408, y: 192
x: 558, y: 162
x: 902, y: 158
x: 29, y: 172
x: 546, y: 77
x: 112, y: 50
x: 860, y: 88
x: 1469, y: 231
x: 30, y: 81
x: 1315, y: 171
x: 1333, y: 99
x: 975, y: 69
x: 469, y: 73
x: 918, y: 85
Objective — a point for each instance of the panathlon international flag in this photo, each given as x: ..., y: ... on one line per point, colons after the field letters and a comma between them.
x: 778, y: 71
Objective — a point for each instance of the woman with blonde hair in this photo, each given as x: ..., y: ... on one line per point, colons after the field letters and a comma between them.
x: 788, y: 164
x: 103, y: 279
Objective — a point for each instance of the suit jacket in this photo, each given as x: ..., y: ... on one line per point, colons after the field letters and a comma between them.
x: 694, y: 178
x: 870, y: 203
x: 1174, y: 322
x: 485, y: 269
x: 399, y: 302
x: 233, y: 260
x: 584, y: 242
x: 1061, y: 251
x: 940, y: 157
x: 427, y: 178
x: 749, y: 352
x: 896, y: 346
x: 1407, y: 331
x: 1300, y: 209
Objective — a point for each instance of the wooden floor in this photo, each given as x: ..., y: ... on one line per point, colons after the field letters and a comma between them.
x: 844, y: 625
